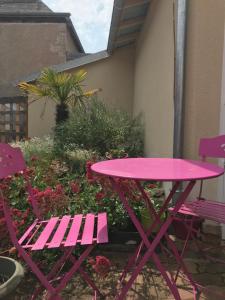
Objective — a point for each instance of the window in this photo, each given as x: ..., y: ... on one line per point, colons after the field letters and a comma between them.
x: 13, y: 118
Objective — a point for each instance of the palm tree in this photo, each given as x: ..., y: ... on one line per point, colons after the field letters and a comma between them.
x: 63, y: 88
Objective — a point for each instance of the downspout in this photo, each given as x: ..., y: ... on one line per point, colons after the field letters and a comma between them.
x: 180, y: 39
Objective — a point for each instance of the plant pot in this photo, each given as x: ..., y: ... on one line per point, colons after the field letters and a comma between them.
x: 180, y: 230
x: 11, y: 273
x: 124, y: 237
x: 128, y: 238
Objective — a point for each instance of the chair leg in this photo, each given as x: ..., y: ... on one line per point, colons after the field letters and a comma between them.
x: 53, y: 271
x: 189, y: 234
x: 73, y: 269
x: 68, y: 256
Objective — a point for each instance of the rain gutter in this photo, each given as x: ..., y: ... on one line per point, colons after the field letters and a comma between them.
x: 180, y: 40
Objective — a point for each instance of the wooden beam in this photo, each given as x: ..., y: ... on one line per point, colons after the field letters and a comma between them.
x: 128, y: 43
x: 131, y: 22
x: 133, y: 3
x: 127, y: 37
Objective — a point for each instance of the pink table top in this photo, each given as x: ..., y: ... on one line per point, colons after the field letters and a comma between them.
x: 159, y: 169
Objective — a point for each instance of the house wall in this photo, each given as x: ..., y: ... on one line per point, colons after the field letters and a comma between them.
x: 154, y: 77
x: 204, y: 57
x: 113, y: 75
x: 29, y: 47
x: 71, y: 48
x: 41, y: 117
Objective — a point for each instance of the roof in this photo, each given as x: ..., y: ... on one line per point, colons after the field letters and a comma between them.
x: 127, y: 20
x: 35, y: 11
x: 9, y: 91
x: 71, y: 64
x: 15, y: 6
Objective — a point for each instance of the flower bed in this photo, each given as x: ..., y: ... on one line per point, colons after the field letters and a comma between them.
x: 61, y: 178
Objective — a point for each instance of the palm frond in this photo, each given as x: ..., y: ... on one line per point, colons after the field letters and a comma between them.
x: 61, y: 87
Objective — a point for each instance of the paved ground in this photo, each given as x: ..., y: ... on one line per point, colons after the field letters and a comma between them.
x: 149, y: 284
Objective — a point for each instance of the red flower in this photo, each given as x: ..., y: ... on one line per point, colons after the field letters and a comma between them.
x: 28, y: 172
x: 34, y: 158
x: 88, y: 165
x: 35, y: 190
x: 75, y: 188
x: 2, y: 221
x: 22, y: 222
x: 91, y: 261
x: 102, y: 265
x: 3, y: 186
x: 99, y: 196
x: 59, y: 189
x: 89, y: 174
x: 152, y: 186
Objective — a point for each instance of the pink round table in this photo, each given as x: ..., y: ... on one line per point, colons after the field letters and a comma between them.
x: 158, y: 169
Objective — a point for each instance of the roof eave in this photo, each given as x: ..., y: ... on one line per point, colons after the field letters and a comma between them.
x: 116, y: 15
x: 74, y: 35
x: 72, y: 64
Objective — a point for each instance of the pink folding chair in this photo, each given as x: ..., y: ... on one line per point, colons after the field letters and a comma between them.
x: 64, y: 232
x: 202, y: 208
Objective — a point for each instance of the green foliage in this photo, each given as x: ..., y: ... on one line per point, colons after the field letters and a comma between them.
x: 108, y: 132
x: 77, y: 158
x: 60, y: 87
x: 63, y: 88
x: 41, y: 147
x: 91, y: 198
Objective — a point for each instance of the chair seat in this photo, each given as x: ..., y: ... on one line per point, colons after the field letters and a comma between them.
x: 206, y: 209
x: 66, y: 231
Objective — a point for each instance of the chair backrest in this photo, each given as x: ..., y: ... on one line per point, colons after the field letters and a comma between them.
x: 212, y: 147
x: 11, y: 161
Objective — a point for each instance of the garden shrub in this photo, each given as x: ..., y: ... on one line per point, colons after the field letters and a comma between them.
x: 95, y: 127
x: 77, y: 159
x: 36, y: 147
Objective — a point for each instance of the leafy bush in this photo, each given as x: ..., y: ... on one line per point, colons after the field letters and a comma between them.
x: 97, y: 128
x: 77, y: 158
x: 36, y: 147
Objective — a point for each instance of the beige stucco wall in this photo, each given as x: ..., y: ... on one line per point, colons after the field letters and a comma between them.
x: 113, y: 75
x: 204, y: 57
x: 29, y: 47
x: 41, y: 117
x: 153, y: 83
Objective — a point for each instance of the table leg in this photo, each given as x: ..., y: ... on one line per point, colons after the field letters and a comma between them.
x: 152, y: 211
x: 151, y: 246
x: 158, y: 221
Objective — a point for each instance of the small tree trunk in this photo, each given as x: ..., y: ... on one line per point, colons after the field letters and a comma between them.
x: 62, y: 113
